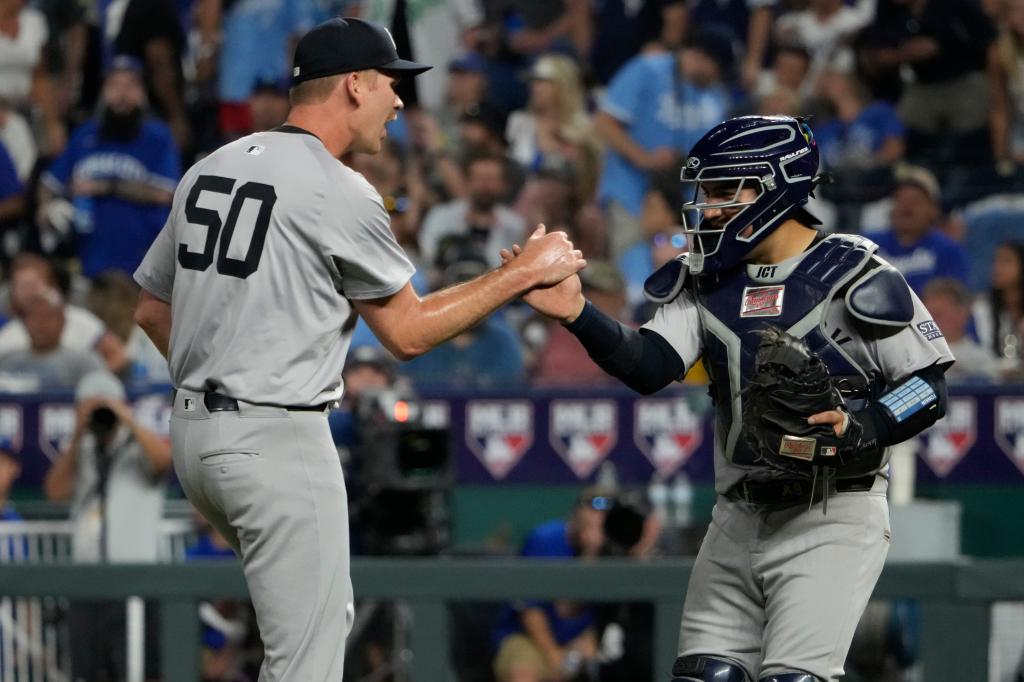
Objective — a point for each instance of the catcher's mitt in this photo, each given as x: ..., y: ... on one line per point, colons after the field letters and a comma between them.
x: 790, y: 383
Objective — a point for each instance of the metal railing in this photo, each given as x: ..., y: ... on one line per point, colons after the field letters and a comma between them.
x: 955, y: 599
x: 33, y: 639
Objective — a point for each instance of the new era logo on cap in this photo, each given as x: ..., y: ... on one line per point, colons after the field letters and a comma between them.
x: 346, y: 44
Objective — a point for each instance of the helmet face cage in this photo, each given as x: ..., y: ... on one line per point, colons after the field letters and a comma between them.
x: 704, y: 240
x: 774, y: 155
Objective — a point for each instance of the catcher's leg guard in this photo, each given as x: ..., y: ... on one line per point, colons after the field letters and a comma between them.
x: 791, y: 677
x: 707, y: 669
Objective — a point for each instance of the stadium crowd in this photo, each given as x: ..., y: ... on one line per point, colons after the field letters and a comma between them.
x: 574, y: 113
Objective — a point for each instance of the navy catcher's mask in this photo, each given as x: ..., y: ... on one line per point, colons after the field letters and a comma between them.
x: 775, y: 157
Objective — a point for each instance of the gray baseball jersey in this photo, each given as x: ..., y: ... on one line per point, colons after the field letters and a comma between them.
x: 781, y: 588
x: 892, y: 357
x: 269, y: 240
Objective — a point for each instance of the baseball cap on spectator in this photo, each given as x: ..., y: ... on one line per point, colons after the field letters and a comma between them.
x: 99, y: 384
x: 125, y: 62
x: 346, y: 44
x: 272, y: 85
x: 372, y: 356
x: 920, y: 177
x: 470, y: 62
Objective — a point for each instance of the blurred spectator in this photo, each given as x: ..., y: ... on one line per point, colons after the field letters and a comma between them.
x: 149, y: 31
x: 119, y: 171
x: 862, y: 135
x: 554, y: 130
x: 432, y: 33
x: 113, y: 471
x: 562, y: 360
x: 949, y: 303
x: 466, y: 88
x: 941, y: 46
x: 45, y: 365
x: 663, y: 238
x: 269, y: 104
x: 367, y: 368
x: 655, y: 109
x: 914, y: 245
x: 825, y: 29
x: 16, y: 137
x: 82, y: 331
x: 487, y: 355
x: 623, y: 28
x: 225, y: 623
x: 12, y: 205
x: 541, y: 641
x: 112, y: 298
x: 789, y: 69
x: 1006, y: 88
x: 1000, y: 315
x: 10, y: 470
x: 860, y: 142
x: 555, y: 196
x: 746, y: 24
x: 24, y: 80
x: 489, y: 225
x: 247, y: 40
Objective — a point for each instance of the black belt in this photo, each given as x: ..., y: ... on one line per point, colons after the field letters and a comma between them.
x: 795, y: 490
x: 215, y: 402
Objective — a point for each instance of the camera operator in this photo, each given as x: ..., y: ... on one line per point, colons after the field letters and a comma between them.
x: 113, y: 471
x: 539, y: 641
x: 626, y: 630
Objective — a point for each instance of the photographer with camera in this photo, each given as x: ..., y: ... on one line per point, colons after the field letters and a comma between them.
x: 113, y: 471
x: 555, y: 641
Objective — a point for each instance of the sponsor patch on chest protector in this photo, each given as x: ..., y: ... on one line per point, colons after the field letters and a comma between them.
x: 798, y: 447
x: 762, y: 301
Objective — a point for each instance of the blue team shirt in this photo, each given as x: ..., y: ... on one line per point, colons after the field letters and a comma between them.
x: 493, y: 358
x: 549, y: 540
x: 658, y: 109
x: 121, y: 231
x: 934, y: 255
x: 855, y: 144
x: 9, y: 182
x: 257, y: 34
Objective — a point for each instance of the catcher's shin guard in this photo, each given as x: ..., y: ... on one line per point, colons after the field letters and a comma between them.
x: 698, y: 668
x: 791, y: 677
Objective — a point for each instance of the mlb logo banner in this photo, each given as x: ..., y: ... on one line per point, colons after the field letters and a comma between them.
x: 1009, y: 428
x: 56, y: 425
x: 667, y: 431
x: 499, y: 432
x: 947, y: 442
x: 583, y: 432
x: 12, y: 425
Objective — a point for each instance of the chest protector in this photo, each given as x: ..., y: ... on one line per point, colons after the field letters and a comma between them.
x: 733, y: 308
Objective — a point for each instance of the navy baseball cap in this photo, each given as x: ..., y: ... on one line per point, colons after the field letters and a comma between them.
x: 346, y: 44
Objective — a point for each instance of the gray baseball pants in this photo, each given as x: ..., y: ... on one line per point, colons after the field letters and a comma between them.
x: 783, y: 590
x: 270, y: 481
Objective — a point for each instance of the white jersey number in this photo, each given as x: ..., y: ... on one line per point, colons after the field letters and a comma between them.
x: 200, y: 260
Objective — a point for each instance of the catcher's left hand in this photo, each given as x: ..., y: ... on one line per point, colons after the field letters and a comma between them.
x: 793, y: 416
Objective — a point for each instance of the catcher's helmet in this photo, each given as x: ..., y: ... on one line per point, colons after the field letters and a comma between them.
x: 774, y: 155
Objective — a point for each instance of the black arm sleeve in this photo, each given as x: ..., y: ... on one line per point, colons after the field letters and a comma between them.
x: 642, y: 360
x: 885, y: 427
